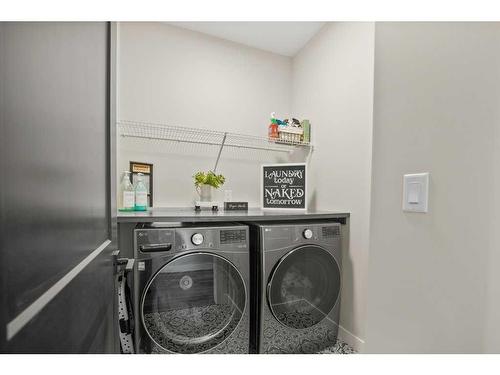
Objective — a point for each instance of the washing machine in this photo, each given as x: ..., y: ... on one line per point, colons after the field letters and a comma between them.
x: 191, y: 288
x: 296, y: 279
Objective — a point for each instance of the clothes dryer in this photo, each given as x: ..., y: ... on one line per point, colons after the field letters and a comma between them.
x: 296, y: 280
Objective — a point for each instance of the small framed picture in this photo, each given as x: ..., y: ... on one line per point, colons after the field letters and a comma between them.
x: 284, y: 186
x: 147, y: 170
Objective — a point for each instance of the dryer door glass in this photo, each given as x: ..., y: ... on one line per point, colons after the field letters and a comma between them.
x: 193, y: 303
x: 304, y: 287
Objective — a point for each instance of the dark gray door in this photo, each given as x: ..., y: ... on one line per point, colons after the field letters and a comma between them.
x: 56, y: 194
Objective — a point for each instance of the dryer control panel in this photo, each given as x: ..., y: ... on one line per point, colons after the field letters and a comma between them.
x: 279, y: 235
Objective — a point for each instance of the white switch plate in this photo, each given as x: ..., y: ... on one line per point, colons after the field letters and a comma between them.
x: 416, y: 192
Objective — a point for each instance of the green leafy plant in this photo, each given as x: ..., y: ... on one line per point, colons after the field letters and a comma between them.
x: 209, y: 178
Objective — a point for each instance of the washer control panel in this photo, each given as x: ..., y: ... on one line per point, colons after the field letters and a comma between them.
x: 227, y: 238
x: 150, y: 242
x: 154, y: 241
x: 232, y: 236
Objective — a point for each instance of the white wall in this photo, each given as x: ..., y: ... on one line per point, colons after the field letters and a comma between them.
x: 436, y: 109
x: 492, y: 327
x: 180, y: 77
x: 333, y: 87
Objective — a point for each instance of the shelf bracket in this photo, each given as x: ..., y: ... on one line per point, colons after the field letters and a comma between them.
x: 220, y: 151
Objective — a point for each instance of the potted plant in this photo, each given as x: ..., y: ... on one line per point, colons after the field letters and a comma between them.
x: 206, y: 182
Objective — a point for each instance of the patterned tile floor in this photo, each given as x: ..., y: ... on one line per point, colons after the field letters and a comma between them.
x: 199, y: 321
x: 339, y: 348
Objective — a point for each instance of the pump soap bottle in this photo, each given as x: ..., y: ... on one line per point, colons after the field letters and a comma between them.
x: 127, y: 194
x: 141, y: 194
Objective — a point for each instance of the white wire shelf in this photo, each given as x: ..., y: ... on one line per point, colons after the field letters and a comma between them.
x: 165, y: 132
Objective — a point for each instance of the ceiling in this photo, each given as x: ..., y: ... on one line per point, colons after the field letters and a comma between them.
x: 284, y: 38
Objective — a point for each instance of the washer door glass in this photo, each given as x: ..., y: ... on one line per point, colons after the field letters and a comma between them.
x: 304, y: 287
x: 193, y: 303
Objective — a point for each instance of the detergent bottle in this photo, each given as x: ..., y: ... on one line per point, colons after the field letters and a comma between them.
x: 273, y: 128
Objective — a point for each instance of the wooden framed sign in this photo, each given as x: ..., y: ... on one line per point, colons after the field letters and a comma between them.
x: 284, y: 186
x: 147, y: 170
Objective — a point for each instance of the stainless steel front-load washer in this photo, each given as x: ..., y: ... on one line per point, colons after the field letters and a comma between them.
x: 296, y: 277
x: 191, y: 289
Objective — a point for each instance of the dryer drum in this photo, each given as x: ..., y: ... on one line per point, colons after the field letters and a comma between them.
x: 304, y: 286
x: 193, y: 303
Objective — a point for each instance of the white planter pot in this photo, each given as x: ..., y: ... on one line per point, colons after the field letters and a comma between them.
x: 205, y: 192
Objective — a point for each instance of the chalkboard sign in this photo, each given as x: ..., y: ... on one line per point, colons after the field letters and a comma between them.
x: 284, y: 186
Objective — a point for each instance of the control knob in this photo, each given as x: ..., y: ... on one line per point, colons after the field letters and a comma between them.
x: 307, y: 234
x: 197, y: 239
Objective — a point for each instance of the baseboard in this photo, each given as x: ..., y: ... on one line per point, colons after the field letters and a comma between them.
x: 351, y: 339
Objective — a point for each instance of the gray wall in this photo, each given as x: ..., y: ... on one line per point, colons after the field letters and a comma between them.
x: 55, y: 192
x: 333, y: 88
x: 436, y: 109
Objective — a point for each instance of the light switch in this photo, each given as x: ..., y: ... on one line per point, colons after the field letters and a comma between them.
x: 415, y: 192
x: 414, y: 189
